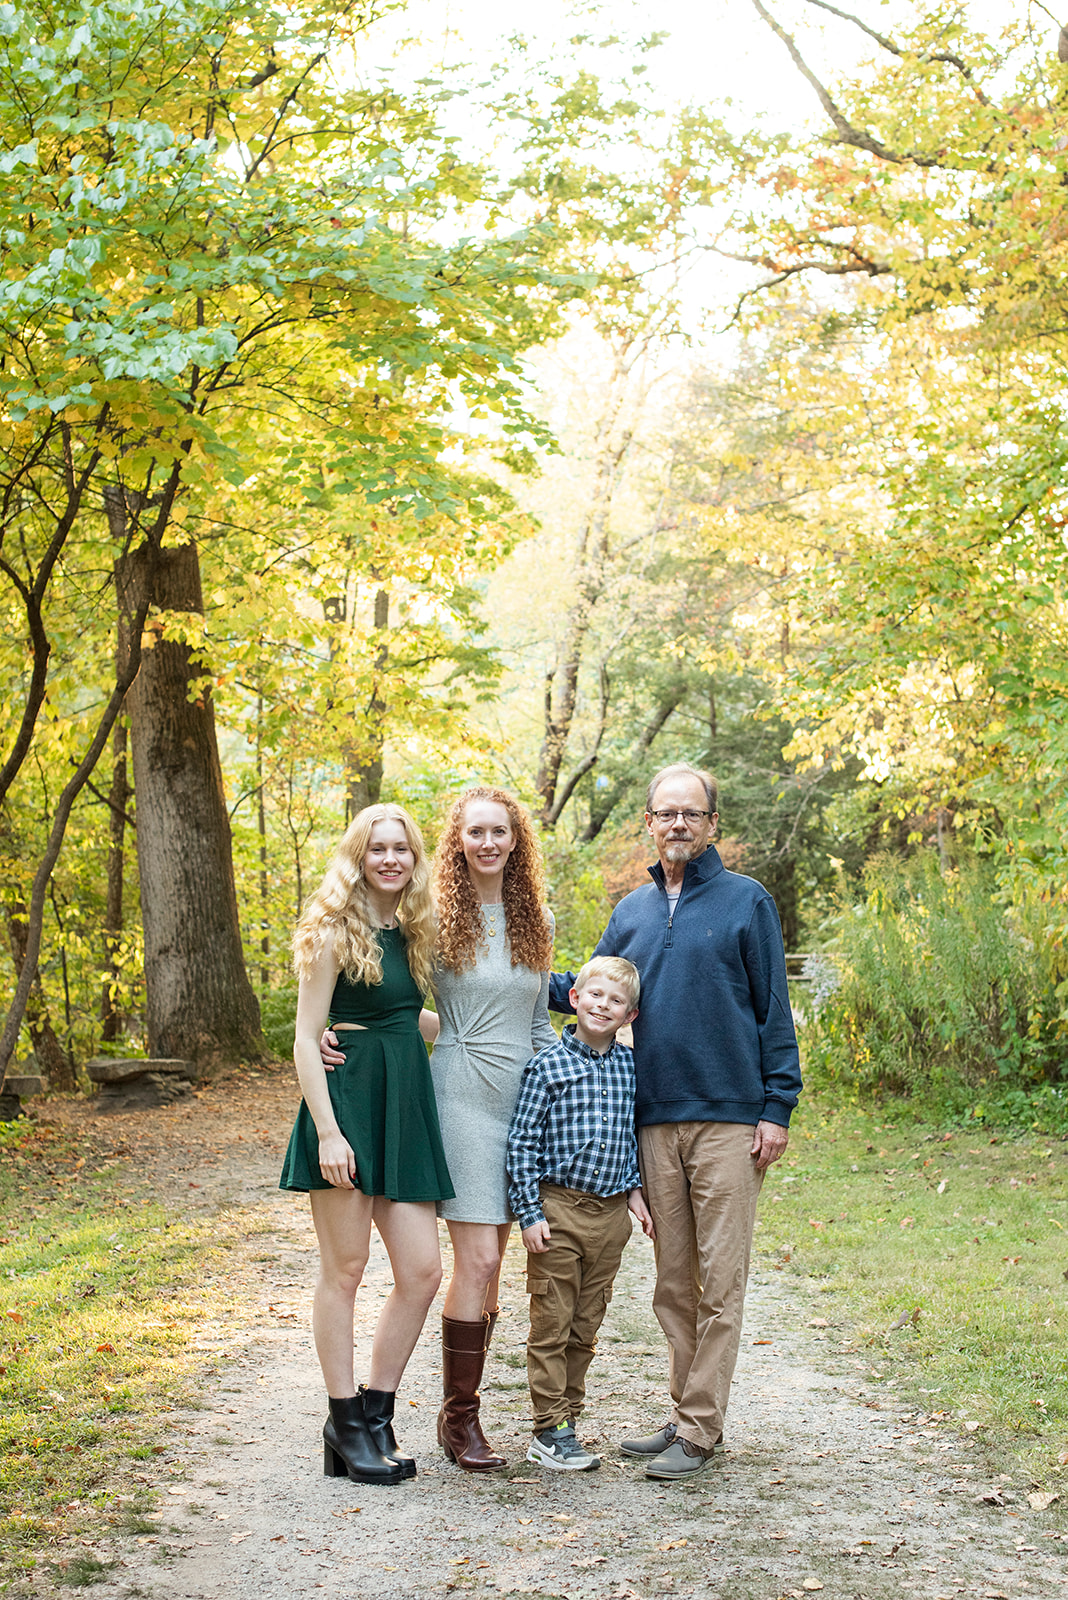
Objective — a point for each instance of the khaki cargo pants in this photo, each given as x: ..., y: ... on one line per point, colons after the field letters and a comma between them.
x: 570, y: 1285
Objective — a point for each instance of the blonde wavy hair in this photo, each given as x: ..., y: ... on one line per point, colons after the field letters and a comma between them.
x: 338, y: 915
x: 458, y: 906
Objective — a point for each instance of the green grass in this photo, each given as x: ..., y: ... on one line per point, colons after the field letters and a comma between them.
x: 104, y: 1300
x: 962, y: 1232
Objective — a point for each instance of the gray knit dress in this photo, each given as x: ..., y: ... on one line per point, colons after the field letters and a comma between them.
x: 494, y: 1017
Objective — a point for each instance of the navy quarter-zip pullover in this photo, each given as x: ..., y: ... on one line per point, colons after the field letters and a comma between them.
x: 714, y: 1040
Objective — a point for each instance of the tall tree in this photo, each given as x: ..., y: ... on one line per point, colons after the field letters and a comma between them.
x: 935, y: 190
x: 220, y: 262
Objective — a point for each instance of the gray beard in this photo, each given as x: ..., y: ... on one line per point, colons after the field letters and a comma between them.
x: 680, y: 850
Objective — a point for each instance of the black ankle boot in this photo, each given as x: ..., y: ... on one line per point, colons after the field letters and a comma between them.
x: 348, y: 1449
x: 378, y: 1414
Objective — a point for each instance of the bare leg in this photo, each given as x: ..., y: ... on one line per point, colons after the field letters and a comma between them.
x: 492, y: 1302
x: 477, y: 1248
x: 342, y: 1219
x: 410, y: 1234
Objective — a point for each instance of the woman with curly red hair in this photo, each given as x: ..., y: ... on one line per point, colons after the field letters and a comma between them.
x: 494, y: 951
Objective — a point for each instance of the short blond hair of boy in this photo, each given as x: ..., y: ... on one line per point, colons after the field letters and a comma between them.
x: 617, y: 970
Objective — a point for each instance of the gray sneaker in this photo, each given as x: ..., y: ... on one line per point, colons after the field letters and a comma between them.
x: 681, y: 1459
x: 558, y: 1449
x: 652, y: 1445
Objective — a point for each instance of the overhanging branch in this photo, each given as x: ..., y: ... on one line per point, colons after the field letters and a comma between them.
x: 946, y: 56
x: 859, y: 138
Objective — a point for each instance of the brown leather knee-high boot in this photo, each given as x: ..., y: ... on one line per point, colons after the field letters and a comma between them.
x: 463, y: 1354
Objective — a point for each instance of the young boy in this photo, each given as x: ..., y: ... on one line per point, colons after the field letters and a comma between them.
x: 573, y: 1173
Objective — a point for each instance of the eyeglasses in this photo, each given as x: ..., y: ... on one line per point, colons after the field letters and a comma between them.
x: 687, y: 816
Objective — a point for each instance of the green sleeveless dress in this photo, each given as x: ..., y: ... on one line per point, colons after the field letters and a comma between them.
x: 383, y: 1096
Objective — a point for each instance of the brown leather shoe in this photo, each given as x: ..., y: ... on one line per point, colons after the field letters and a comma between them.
x: 463, y: 1355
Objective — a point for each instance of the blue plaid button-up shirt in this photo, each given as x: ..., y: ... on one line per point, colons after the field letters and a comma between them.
x: 573, y: 1125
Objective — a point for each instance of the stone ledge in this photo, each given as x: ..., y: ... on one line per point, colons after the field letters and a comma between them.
x: 22, y: 1084
x: 17, y: 1087
x: 128, y: 1069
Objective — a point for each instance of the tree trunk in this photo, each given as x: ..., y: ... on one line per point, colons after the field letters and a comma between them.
x: 604, y: 801
x: 111, y: 1014
x: 363, y: 762
x: 201, y: 1006
x: 52, y: 1059
x: 588, y: 578
x: 261, y: 829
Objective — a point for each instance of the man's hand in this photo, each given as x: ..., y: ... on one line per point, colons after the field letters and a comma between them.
x: 537, y: 1237
x: 769, y: 1143
x: 332, y: 1056
x: 638, y: 1208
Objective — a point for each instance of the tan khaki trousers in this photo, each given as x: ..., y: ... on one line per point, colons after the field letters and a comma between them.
x: 701, y: 1185
x: 570, y: 1286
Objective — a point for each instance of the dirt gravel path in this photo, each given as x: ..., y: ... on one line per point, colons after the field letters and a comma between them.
x: 828, y: 1483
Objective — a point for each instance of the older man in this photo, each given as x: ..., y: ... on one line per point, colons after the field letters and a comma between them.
x: 718, y: 1076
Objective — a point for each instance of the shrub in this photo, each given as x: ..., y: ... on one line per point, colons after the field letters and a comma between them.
x: 941, y: 993
x: 278, y: 1018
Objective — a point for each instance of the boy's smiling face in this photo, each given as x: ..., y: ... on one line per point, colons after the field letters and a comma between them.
x: 601, y: 1009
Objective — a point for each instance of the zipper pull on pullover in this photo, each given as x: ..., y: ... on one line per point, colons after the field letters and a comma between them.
x: 669, y: 936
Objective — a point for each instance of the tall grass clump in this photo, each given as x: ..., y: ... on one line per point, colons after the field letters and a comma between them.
x: 936, y: 989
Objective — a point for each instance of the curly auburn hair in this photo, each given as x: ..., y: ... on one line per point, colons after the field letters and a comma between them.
x: 458, y: 906
x: 338, y: 915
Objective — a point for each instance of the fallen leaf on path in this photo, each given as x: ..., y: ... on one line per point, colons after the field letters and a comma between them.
x: 1040, y: 1500
x: 16, y: 1316
x: 818, y: 1322
x: 278, y: 1538
x: 178, y: 1489
x: 763, y: 1341
x: 236, y: 1538
x: 811, y: 1583
x: 971, y: 1426
x: 349, y: 1511
x: 672, y: 1544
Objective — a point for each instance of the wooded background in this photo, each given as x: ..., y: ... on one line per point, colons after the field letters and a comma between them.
x: 365, y: 434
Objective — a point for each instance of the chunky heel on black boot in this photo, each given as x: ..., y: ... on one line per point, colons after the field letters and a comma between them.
x: 378, y: 1414
x: 347, y: 1439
